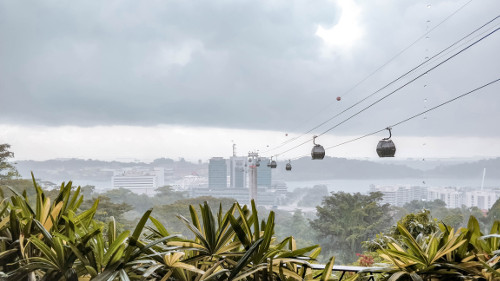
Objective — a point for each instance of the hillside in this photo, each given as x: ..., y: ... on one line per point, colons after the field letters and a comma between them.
x: 469, y: 170
x: 342, y: 168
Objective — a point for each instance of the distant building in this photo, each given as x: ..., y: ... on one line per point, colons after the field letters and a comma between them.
x: 140, y: 181
x: 264, y: 175
x: 217, y: 173
x: 453, y: 197
x: 483, y: 199
x: 450, y: 195
x: 237, y: 172
x: 400, y: 195
x: 265, y: 196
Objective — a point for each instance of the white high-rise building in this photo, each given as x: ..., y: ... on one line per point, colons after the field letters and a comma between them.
x: 483, y: 199
x: 140, y: 181
x: 400, y: 195
x: 449, y: 195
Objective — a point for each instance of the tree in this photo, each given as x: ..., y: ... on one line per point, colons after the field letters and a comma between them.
x: 418, y: 224
x: 493, y: 213
x: 106, y: 209
x: 345, y: 220
x: 295, y: 225
x: 166, y: 195
x: 7, y: 170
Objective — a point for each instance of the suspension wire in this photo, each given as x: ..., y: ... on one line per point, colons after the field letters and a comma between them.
x: 392, y: 82
x: 411, y: 117
x: 379, y: 68
x: 396, y: 90
x: 437, y: 55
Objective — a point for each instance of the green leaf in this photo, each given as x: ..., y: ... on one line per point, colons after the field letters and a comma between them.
x: 159, y: 226
x: 244, y: 260
x: 137, y: 232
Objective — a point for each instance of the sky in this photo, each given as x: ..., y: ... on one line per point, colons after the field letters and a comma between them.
x: 121, y: 80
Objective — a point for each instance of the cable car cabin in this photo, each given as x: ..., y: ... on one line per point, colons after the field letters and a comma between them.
x: 273, y: 164
x: 386, y: 148
x: 318, y: 152
x: 288, y: 167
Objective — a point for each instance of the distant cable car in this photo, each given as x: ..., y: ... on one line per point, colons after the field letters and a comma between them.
x: 386, y: 147
x: 288, y: 166
x: 317, y: 152
x: 272, y: 164
x: 339, y: 98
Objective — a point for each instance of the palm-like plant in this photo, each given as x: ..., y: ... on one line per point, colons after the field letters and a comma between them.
x: 428, y: 258
x: 26, y: 223
x: 53, y: 240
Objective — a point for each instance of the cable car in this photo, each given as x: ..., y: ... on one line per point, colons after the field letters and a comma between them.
x: 317, y: 152
x: 272, y: 164
x: 288, y: 166
x: 386, y: 147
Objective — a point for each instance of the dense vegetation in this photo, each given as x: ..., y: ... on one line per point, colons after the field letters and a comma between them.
x: 58, y: 239
x: 44, y: 239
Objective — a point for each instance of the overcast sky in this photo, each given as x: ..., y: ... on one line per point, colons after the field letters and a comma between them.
x: 149, y: 79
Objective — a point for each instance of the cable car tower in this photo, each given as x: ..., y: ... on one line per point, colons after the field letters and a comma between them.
x: 254, y: 162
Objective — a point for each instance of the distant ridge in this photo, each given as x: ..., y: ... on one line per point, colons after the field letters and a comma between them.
x: 303, y: 169
x: 342, y: 168
x: 469, y: 170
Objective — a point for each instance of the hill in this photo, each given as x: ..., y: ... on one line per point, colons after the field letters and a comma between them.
x: 469, y: 170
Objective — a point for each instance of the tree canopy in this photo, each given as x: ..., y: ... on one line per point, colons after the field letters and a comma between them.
x: 7, y: 169
x: 344, y: 220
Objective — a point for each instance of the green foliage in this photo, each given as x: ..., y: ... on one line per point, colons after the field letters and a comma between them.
x: 179, y: 208
x: 493, y: 213
x: 418, y: 225
x: 106, y: 208
x: 58, y: 238
x: 456, y: 217
x: 446, y: 254
x: 298, y: 226
x: 7, y: 169
x: 344, y: 220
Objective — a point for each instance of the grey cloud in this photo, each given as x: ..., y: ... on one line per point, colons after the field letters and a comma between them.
x: 239, y: 64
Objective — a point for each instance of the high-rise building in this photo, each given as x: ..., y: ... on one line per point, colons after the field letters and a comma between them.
x: 237, y: 172
x: 141, y: 181
x: 400, y: 195
x: 217, y: 173
x: 483, y: 199
x: 264, y: 177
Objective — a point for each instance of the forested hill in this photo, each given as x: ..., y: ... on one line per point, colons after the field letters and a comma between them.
x: 469, y: 170
x: 342, y: 168
x: 94, y: 170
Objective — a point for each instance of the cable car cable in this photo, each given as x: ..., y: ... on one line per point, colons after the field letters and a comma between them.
x: 409, y: 82
x: 393, y: 58
x: 387, y: 85
x: 396, y: 90
x: 411, y: 117
x: 419, y: 114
